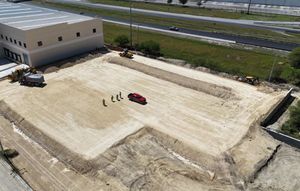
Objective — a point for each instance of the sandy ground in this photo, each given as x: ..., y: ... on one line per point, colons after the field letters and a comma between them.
x: 69, y: 109
x: 281, y: 174
x: 43, y: 171
x: 190, y: 139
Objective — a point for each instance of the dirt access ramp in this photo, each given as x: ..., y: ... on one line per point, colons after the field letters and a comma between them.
x: 69, y: 113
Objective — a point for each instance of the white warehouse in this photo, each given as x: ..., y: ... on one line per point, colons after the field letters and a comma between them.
x: 37, y: 36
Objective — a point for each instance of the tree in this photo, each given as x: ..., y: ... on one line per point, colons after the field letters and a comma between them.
x: 183, y: 2
x: 150, y: 47
x: 294, y: 58
x: 122, y: 40
x: 169, y: 1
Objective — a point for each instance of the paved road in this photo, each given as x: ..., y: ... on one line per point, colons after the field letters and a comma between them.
x: 247, y: 23
x: 203, y: 35
x: 218, y: 37
x: 259, y: 6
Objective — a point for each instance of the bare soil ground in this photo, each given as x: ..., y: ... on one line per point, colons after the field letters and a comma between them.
x: 282, y: 172
x: 185, y: 138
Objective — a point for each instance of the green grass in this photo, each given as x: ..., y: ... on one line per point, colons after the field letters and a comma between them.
x: 200, y: 11
x: 292, y: 126
x: 203, y: 26
x: 220, y: 58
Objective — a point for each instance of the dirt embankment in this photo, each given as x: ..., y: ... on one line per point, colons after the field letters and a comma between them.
x: 151, y: 160
x: 141, y: 160
x: 69, y: 158
x: 208, y: 88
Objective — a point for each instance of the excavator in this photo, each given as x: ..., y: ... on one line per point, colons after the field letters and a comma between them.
x: 17, y: 74
x: 126, y: 53
x: 27, y: 76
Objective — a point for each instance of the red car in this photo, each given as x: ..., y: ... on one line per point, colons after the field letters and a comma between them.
x: 137, y: 98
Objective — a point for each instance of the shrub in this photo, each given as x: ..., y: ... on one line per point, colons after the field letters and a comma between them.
x: 292, y: 126
x: 122, y: 40
x: 150, y: 48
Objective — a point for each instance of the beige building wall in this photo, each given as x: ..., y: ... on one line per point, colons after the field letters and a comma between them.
x: 12, y: 39
x: 51, y: 48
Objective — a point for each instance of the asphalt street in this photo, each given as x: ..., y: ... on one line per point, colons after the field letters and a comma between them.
x: 188, y: 33
x: 215, y: 36
x: 240, y: 22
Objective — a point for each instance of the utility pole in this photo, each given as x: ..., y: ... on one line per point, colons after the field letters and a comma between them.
x: 271, y: 72
x: 1, y: 148
x: 137, y: 36
x: 249, y: 5
x: 130, y: 23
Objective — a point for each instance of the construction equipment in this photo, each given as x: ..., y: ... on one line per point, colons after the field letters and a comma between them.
x: 249, y: 79
x: 17, y: 74
x: 126, y: 53
x: 31, y: 79
x: 27, y: 76
x: 8, y: 153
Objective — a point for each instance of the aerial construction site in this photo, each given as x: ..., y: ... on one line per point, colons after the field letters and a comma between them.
x: 198, y: 131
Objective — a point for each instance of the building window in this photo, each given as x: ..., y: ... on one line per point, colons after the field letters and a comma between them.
x: 94, y: 30
x: 6, y: 38
x: 24, y: 44
x: 2, y: 36
x: 40, y: 43
x: 10, y: 39
x: 60, y: 38
x: 78, y: 34
x: 20, y: 43
x: 15, y: 41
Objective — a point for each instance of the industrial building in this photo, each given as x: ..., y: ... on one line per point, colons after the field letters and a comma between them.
x: 37, y: 36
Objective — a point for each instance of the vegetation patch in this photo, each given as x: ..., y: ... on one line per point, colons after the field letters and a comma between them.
x: 292, y: 126
x: 216, y: 57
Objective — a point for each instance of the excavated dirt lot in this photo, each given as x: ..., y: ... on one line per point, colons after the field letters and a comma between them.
x: 188, y: 137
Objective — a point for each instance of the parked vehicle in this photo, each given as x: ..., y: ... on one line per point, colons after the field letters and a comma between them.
x: 137, y: 98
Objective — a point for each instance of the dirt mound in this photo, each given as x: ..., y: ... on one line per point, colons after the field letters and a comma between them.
x: 208, y: 88
x: 151, y: 160
x: 281, y: 173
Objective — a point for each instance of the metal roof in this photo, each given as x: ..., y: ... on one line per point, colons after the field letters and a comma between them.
x: 26, y: 17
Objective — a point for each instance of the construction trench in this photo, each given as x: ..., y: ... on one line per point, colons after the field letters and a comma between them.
x: 181, y: 139
x: 274, y: 115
